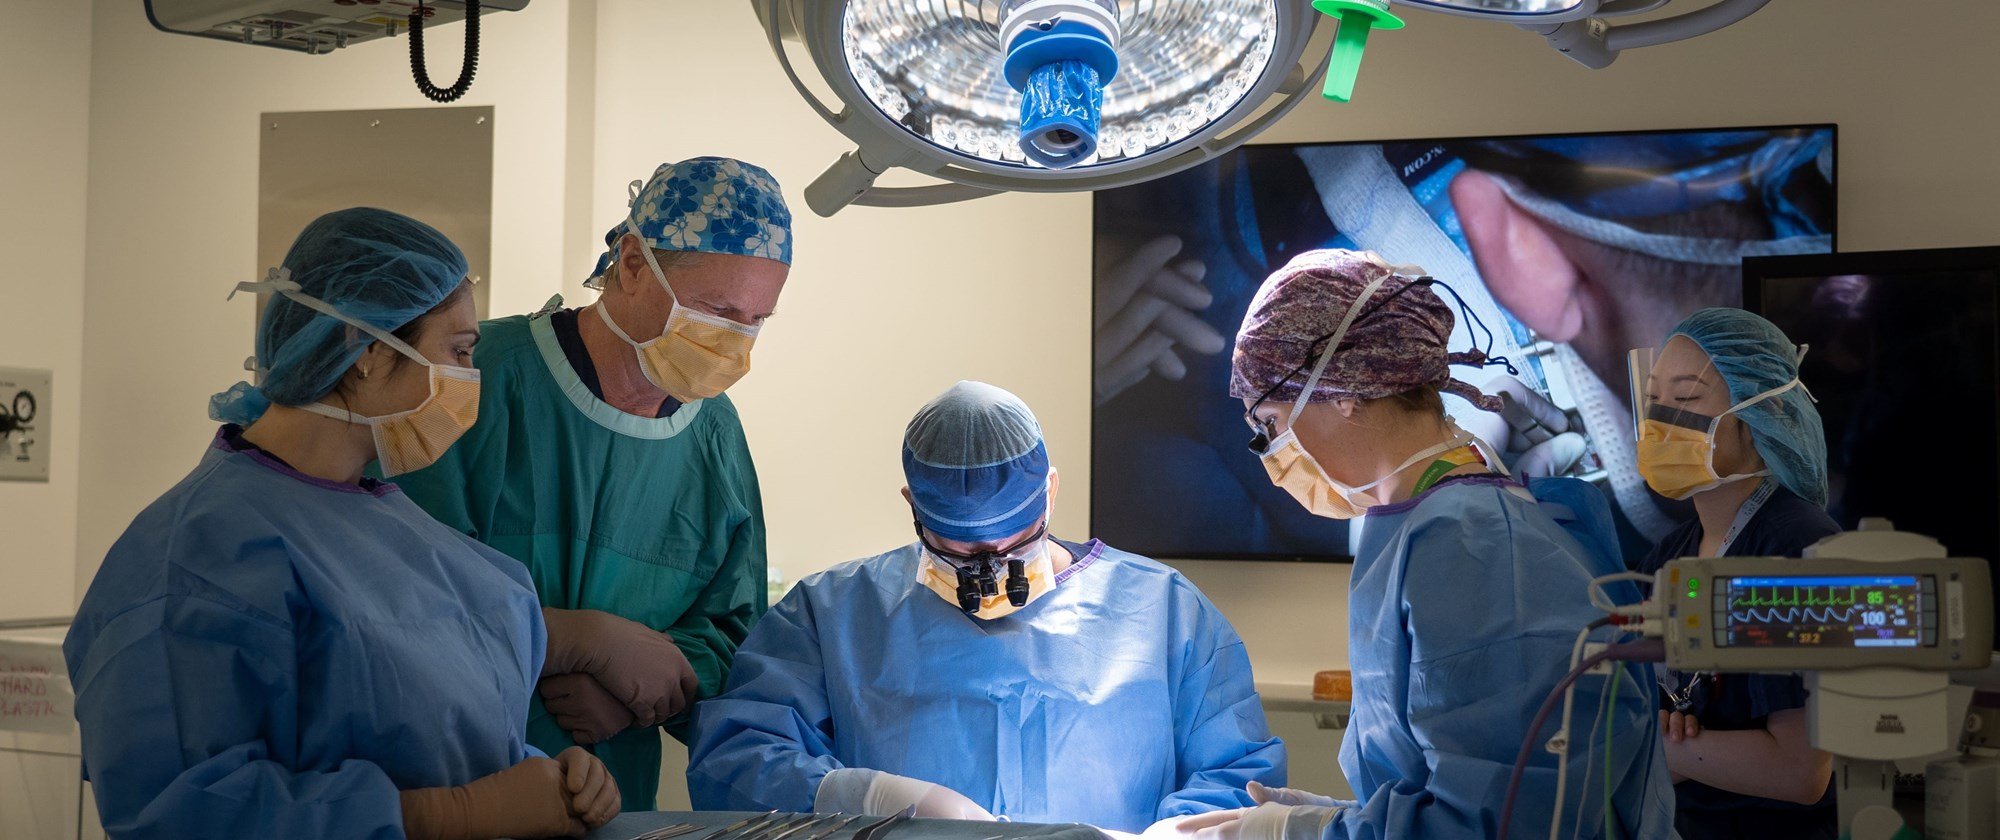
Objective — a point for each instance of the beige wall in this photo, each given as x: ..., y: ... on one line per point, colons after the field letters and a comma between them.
x: 173, y: 218
x: 44, y: 129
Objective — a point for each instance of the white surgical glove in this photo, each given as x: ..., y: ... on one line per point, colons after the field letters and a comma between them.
x: 1269, y: 821
x: 1290, y: 796
x: 1540, y: 442
x: 875, y: 793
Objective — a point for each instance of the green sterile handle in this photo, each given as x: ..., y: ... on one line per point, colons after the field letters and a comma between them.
x: 1357, y: 18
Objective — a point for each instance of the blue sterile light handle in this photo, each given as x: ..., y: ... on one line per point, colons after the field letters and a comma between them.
x: 1357, y: 19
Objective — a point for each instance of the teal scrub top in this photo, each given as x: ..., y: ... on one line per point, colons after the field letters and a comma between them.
x: 658, y: 520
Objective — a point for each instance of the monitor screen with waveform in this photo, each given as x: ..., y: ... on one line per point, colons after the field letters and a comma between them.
x: 1827, y: 612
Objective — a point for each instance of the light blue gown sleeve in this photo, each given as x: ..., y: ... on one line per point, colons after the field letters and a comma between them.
x: 1488, y: 599
x: 180, y: 699
x: 767, y: 742
x: 1225, y: 742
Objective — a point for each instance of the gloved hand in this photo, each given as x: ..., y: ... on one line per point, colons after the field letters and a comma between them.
x: 1539, y: 442
x: 638, y: 665
x: 1289, y: 796
x: 583, y: 708
x: 527, y: 800
x: 889, y: 793
x: 1269, y: 821
x: 1146, y: 309
x: 593, y: 794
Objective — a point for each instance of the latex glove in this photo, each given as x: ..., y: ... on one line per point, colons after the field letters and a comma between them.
x: 1146, y: 313
x: 638, y: 665
x: 583, y: 708
x: 1289, y: 796
x: 1678, y: 726
x: 889, y: 793
x: 1270, y: 821
x: 1539, y: 442
x: 593, y: 794
x: 527, y: 800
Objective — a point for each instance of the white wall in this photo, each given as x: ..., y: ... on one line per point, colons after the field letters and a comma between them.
x: 173, y: 218
x: 44, y: 130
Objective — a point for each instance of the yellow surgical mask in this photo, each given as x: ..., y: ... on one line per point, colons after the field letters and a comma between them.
x: 942, y: 578
x: 1677, y: 448
x: 697, y: 355
x: 1292, y: 468
x: 411, y: 440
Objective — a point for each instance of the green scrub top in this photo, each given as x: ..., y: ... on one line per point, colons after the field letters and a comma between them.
x: 657, y: 520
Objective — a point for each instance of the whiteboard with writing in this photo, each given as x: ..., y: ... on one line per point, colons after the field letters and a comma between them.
x: 35, y: 694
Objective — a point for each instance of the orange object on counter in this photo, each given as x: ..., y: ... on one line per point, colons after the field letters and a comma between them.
x: 1333, y: 685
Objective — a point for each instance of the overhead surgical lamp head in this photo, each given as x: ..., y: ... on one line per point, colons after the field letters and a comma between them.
x: 1038, y: 95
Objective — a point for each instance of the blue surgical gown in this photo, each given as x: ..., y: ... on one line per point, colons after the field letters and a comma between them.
x: 264, y: 654
x: 1464, y: 606
x: 1120, y: 697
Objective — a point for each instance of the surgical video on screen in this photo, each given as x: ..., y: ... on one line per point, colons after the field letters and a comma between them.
x: 1572, y: 249
x: 1826, y: 612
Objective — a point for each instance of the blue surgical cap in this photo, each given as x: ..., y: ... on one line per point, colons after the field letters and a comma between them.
x: 976, y: 464
x: 1754, y: 356
x: 711, y: 205
x: 378, y: 267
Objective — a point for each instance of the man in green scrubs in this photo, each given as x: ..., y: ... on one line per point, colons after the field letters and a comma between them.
x: 606, y: 459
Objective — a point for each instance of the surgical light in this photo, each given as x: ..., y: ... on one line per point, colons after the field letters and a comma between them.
x: 1039, y: 95
x: 1580, y: 28
x: 318, y: 27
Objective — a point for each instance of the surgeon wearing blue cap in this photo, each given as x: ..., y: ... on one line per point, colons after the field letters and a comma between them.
x: 1725, y: 422
x: 282, y: 647
x: 610, y: 462
x: 988, y: 669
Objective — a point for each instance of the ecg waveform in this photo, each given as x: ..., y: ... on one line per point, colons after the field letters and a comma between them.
x: 1793, y: 615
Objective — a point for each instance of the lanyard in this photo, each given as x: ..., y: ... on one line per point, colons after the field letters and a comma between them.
x: 1745, y: 514
x: 1446, y: 463
x: 1683, y: 697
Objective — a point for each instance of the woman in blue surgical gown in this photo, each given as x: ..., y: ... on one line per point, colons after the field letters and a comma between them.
x: 279, y: 647
x: 1469, y: 588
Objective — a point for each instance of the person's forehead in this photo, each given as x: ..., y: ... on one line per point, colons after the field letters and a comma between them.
x: 1680, y: 357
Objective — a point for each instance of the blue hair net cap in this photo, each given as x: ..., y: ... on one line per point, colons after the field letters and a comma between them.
x: 381, y: 268
x: 1754, y: 356
x: 976, y: 464
x: 711, y: 205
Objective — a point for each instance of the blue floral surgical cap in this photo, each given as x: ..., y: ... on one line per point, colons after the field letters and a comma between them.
x: 976, y: 464
x: 709, y: 205
x: 1754, y: 356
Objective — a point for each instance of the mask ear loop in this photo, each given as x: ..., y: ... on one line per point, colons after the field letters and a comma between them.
x: 279, y: 281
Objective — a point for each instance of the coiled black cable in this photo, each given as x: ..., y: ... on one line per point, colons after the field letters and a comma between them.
x: 421, y: 71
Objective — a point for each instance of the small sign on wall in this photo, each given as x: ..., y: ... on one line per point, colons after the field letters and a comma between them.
x: 24, y: 424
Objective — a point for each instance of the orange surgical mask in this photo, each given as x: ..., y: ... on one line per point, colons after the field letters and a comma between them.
x: 1676, y: 447
x: 405, y: 441
x: 697, y: 355
x: 1293, y: 469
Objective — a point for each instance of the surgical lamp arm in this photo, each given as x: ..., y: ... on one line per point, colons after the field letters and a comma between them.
x: 1680, y: 27
x: 1595, y: 44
